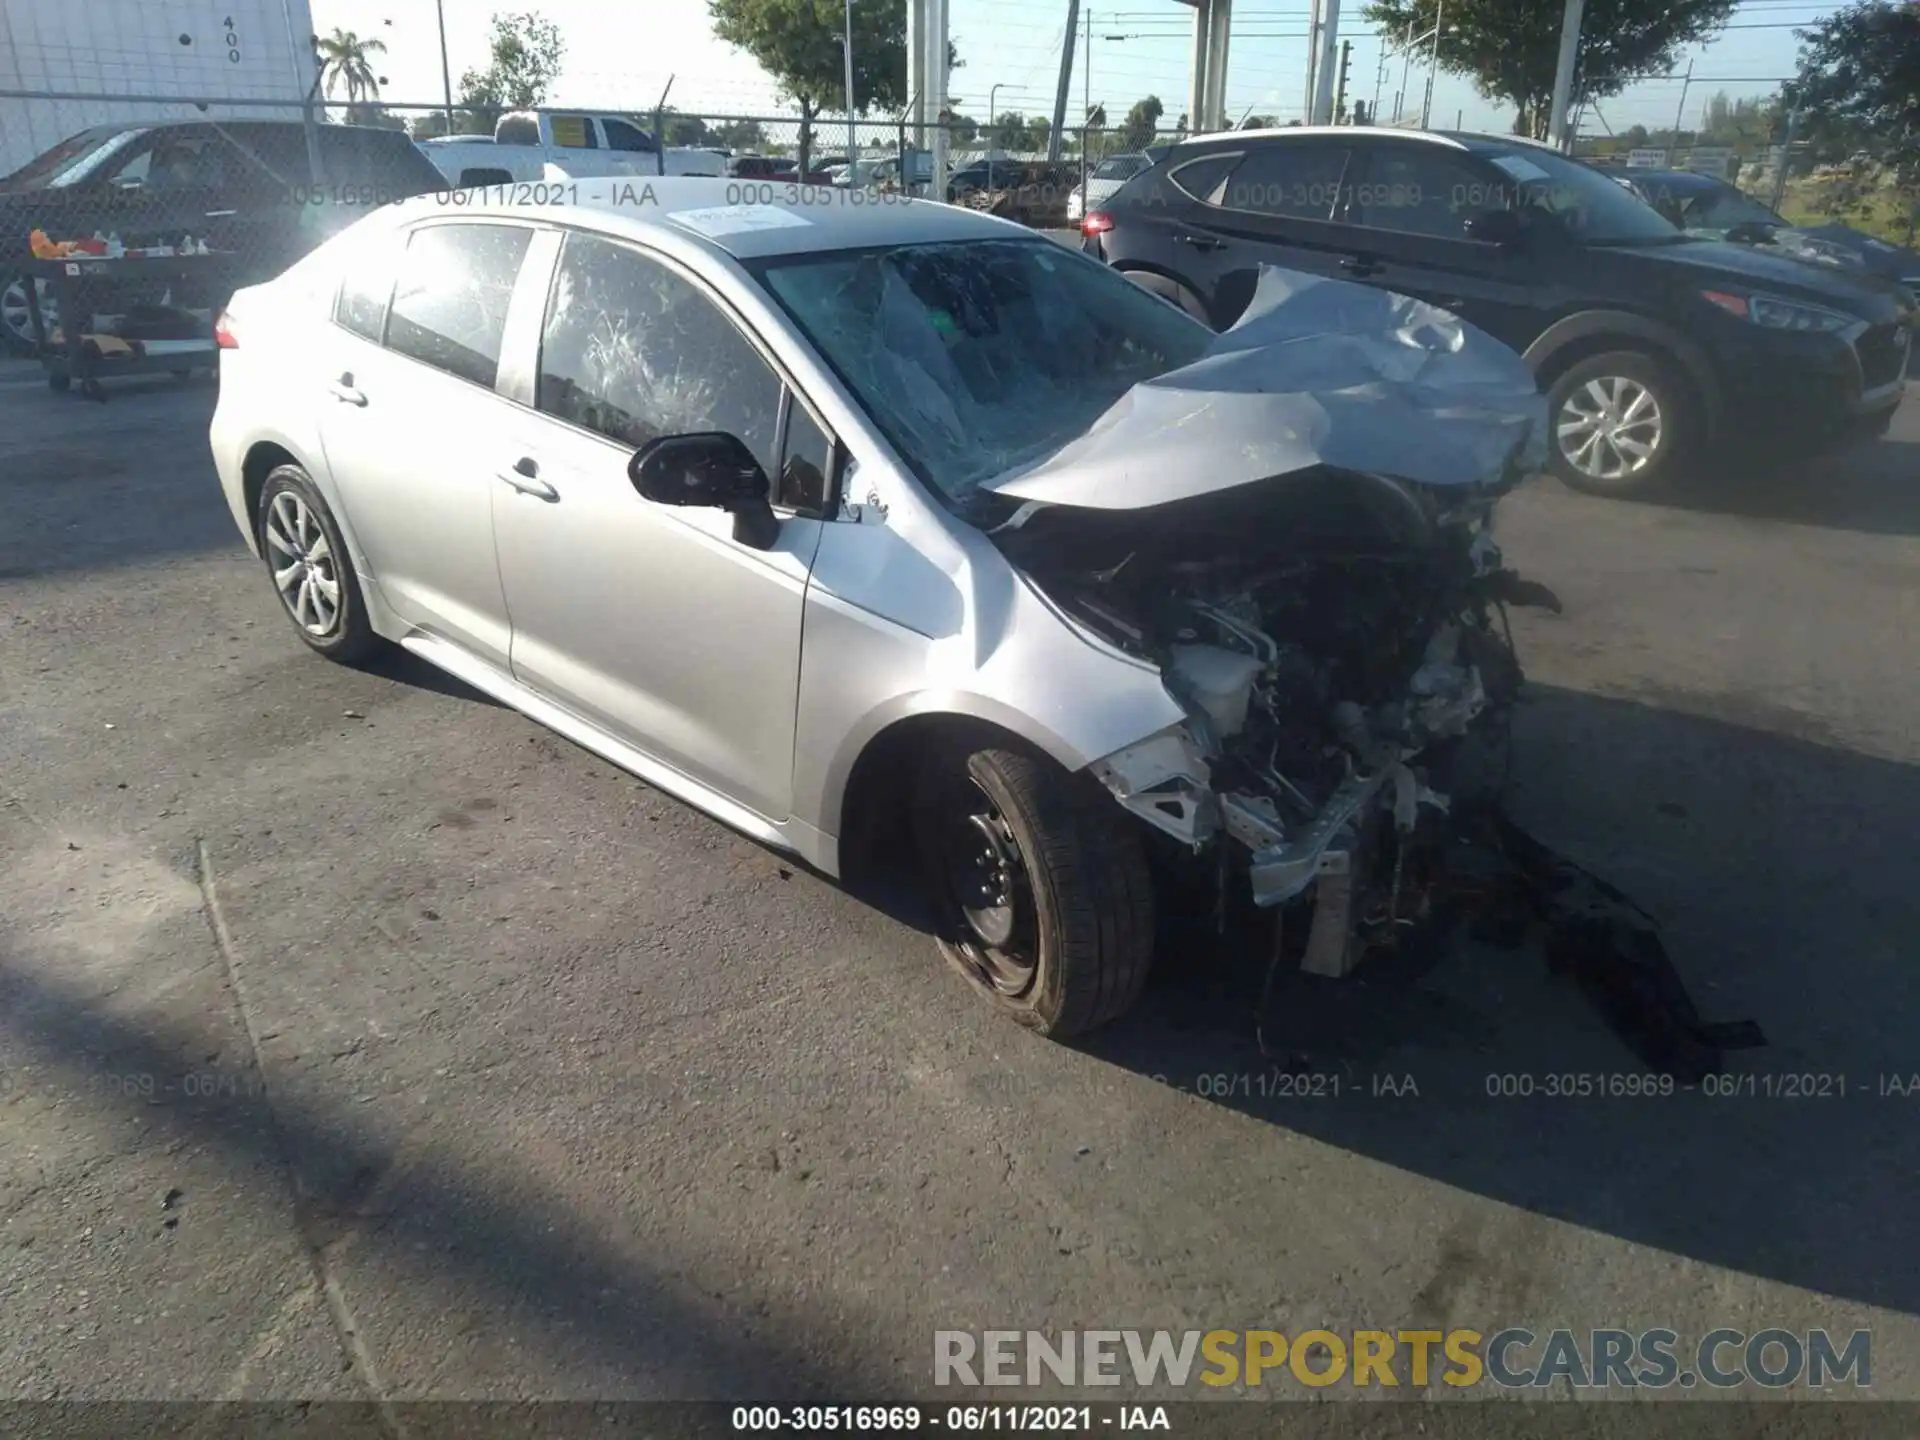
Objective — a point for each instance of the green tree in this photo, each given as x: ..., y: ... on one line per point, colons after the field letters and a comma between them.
x: 964, y: 129
x: 346, y: 63
x: 797, y: 42
x: 1509, y: 48
x: 1859, y: 86
x: 524, y: 58
x: 1008, y: 131
x: 739, y: 135
x: 1143, y: 121
x: 367, y: 112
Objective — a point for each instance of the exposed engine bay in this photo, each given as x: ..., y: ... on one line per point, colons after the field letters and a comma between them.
x: 1338, y: 641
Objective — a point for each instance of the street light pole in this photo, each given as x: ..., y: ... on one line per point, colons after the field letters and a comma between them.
x: 993, y: 92
x: 446, y: 74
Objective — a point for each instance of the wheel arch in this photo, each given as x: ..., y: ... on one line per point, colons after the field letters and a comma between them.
x: 1574, y: 338
x: 1163, y: 283
x: 865, y: 804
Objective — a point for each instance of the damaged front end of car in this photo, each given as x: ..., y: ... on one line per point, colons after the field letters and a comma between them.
x: 1298, y: 532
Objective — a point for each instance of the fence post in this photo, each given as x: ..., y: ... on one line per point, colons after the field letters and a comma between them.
x: 660, y: 137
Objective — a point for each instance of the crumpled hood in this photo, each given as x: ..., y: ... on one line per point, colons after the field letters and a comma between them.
x: 1316, y: 373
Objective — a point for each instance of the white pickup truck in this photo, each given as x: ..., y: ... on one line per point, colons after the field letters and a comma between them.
x: 531, y: 145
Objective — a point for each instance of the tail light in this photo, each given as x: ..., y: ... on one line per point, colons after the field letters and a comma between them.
x: 1098, y: 222
x: 225, y: 335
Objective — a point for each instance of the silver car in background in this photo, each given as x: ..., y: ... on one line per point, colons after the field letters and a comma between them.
x: 1108, y: 176
x: 719, y: 488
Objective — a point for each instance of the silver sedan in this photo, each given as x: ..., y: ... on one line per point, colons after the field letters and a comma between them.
x: 768, y: 495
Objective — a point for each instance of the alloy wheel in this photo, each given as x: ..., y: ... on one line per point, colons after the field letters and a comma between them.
x: 1610, y: 428
x: 304, y: 569
x: 16, y: 320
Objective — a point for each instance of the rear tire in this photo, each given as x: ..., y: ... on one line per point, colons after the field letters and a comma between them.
x: 1620, y: 424
x: 311, y: 570
x: 1042, y: 896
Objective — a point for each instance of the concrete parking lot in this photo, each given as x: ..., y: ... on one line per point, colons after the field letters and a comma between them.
x: 357, y: 1036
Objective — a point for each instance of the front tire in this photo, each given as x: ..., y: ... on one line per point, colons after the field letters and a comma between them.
x: 311, y: 571
x: 1620, y: 424
x: 1043, y: 900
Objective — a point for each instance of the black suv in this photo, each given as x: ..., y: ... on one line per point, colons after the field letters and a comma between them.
x: 245, y: 186
x: 1652, y: 344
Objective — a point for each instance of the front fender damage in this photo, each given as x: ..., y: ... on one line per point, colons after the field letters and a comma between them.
x: 1327, y: 602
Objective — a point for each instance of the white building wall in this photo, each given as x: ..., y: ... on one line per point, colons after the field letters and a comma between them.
x: 151, y: 51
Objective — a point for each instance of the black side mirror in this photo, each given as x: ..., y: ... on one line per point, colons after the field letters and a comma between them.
x: 711, y: 469
x: 1496, y: 227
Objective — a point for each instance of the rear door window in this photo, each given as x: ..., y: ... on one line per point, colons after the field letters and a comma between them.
x: 1295, y: 180
x: 1423, y: 190
x: 622, y: 136
x: 450, y: 303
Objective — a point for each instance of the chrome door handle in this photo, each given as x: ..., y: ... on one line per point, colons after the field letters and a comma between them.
x: 220, y: 214
x: 1201, y: 242
x: 347, y: 394
x: 525, y: 477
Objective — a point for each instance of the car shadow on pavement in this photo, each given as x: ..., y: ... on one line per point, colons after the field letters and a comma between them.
x: 1780, y: 870
x: 1872, y: 490
x: 526, y: 1260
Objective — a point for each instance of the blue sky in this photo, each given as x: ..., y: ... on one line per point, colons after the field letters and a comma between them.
x: 620, y: 56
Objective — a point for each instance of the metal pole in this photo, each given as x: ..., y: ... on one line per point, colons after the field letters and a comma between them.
x: 992, y: 134
x: 1313, y: 61
x: 1786, y: 158
x: 446, y: 73
x: 1433, y: 65
x: 1680, y: 115
x: 1562, y: 105
x: 1406, y: 66
x: 1066, y: 79
x: 1086, y: 87
x: 1325, y: 65
x: 853, y: 140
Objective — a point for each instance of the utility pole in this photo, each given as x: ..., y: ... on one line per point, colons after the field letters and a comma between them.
x: 1340, y: 90
x: 1557, y: 127
x: 1433, y: 67
x: 1313, y: 60
x: 1066, y: 80
x: 1323, y: 71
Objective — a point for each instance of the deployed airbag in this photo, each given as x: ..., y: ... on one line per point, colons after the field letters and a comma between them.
x: 1316, y: 373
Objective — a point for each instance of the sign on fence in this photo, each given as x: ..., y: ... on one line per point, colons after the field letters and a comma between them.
x: 1646, y: 159
x: 1711, y: 160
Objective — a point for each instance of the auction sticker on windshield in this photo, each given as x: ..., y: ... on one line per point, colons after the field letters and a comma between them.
x: 737, y: 219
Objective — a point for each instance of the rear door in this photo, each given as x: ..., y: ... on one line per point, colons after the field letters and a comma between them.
x: 1410, y: 204
x: 1278, y: 205
x: 412, y: 426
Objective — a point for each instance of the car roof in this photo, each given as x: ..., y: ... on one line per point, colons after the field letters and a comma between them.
x: 813, y: 219
x: 1305, y: 132
x: 1680, y: 179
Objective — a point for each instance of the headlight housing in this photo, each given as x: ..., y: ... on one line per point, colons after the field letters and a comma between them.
x: 1774, y: 313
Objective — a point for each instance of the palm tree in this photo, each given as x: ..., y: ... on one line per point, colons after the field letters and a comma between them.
x: 344, y: 62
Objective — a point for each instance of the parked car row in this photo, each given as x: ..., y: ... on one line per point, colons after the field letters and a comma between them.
x: 1655, y: 345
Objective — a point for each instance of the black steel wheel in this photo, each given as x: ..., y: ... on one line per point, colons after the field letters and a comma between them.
x: 1042, y: 898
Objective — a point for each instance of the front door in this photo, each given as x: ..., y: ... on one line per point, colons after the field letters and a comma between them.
x: 653, y: 622
x: 1276, y: 207
x: 415, y: 434
x: 1411, y: 203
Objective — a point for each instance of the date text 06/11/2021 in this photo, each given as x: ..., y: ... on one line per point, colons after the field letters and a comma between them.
x: 913, y: 1419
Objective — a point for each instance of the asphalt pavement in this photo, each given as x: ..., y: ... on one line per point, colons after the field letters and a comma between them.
x: 359, y: 1037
